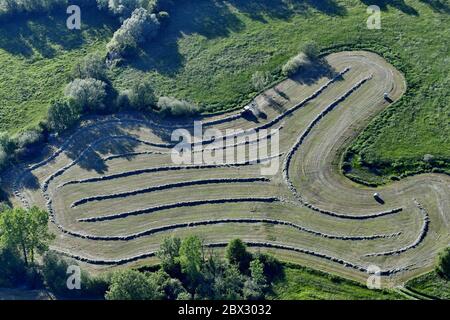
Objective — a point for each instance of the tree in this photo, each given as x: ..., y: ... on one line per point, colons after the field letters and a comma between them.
x: 62, y: 115
x: 443, y: 264
x: 141, y: 96
x: 311, y: 50
x: 171, y: 289
x: 256, y: 286
x: 133, y: 285
x: 169, y: 254
x: 54, y: 271
x: 25, y: 230
x: 12, y: 268
x: 191, y: 260
x: 260, y: 80
x: 91, y: 66
x: 140, y: 27
x: 237, y: 254
x: 229, y: 285
x: 169, y: 106
x: 294, y: 65
x: 273, y: 268
x: 7, y: 148
x: 88, y: 95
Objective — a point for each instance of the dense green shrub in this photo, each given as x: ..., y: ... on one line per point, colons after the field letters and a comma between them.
x: 237, y: 254
x: 141, y: 96
x: 12, y: 268
x: 169, y: 106
x: 91, y: 66
x: 133, y: 285
x: 28, y: 143
x: 141, y: 26
x: 62, y: 115
x: 55, y: 274
x: 443, y: 265
x: 294, y: 65
x: 311, y: 50
x: 88, y: 95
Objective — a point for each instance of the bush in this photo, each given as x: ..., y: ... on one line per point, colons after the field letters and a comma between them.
x: 172, y: 107
x: 12, y: 268
x: 91, y: 66
x: 141, y: 96
x: 7, y: 148
x: 260, y: 80
x: 54, y: 271
x: 140, y: 27
x: 133, y: 285
x: 443, y: 265
x: 28, y: 143
x: 121, y: 8
x: 62, y: 115
x: 310, y: 50
x: 294, y: 65
x: 237, y: 254
x: 87, y: 95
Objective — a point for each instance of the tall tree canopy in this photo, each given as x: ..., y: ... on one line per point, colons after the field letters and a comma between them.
x: 26, y: 231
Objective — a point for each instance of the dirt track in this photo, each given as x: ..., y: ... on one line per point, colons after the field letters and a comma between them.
x: 308, y: 213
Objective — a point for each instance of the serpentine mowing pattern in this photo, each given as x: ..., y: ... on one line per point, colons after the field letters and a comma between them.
x: 285, y: 178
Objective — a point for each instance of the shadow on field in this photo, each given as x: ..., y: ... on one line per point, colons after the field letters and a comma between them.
x: 216, y: 19
x: 397, y: 4
x: 314, y: 71
x: 441, y: 6
x: 27, y: 36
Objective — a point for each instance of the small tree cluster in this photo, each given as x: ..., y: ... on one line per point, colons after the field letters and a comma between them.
x: 25, y: 231
x: 309, y: 53
x: 87, y: 95
x: 169, y: 106
x: 443, y: 264
x: 260, y: 80
x: 188, y: 272
x: 140, y: 97
x: 140, y: 27
x: 294, y: 65
x: 91, y: 66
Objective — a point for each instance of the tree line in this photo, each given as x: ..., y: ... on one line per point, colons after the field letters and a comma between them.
x: 188, y: 269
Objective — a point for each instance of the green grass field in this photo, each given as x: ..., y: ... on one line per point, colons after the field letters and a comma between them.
x: 210, y: 49
x: 430, y: 284
x: 308, y: 284
x: 37, y: 56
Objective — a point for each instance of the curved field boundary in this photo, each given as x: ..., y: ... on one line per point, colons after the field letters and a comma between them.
x: 185, y: 204
x: 298, y: 144
x: 227, y: 221
x: 130, y: 154
x: 269, y: 245
x: 422, y: 234
x: 64, y: 146
x: 167, y: 168
x: 167, y: 187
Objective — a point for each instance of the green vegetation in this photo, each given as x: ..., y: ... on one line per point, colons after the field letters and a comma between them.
x: 302, y: 283
x: 431, y: 284
x: 25, y: 231
x: 443, y: 264
x: 210, y: 61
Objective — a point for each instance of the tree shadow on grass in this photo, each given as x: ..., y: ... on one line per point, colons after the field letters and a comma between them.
x: 215, y: 19
x: 397, y: 4
x: 285, y: 9
x: 312, y: 72
x: 441, y: 6
x: 26, y: 36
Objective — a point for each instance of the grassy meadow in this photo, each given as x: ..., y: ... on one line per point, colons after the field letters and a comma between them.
x: 302, y: 283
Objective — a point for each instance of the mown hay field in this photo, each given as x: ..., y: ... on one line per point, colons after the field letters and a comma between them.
x: 114, y: 192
